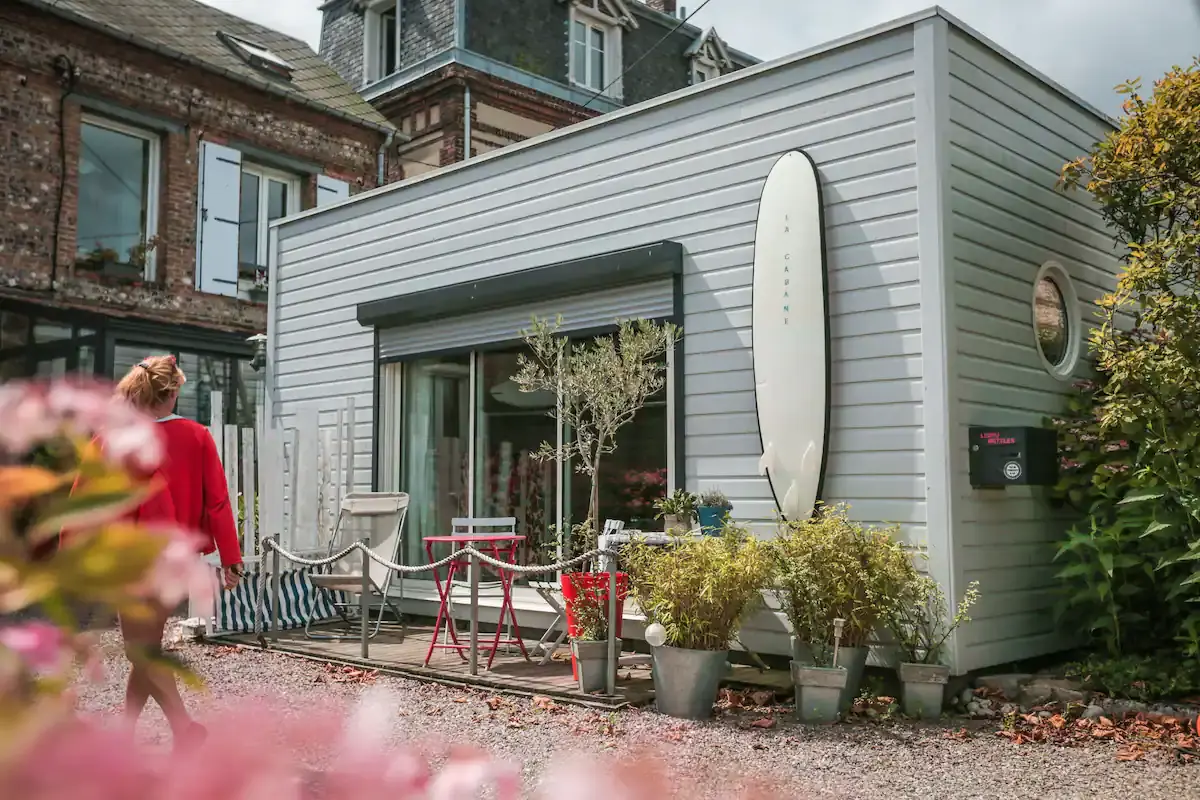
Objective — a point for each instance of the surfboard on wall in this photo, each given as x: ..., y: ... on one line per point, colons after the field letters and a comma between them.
x: 790, y: 334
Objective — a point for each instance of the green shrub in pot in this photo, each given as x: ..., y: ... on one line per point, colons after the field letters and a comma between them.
x: 677, y: 511
x: 699, y: 590
x: 830, y: 567
x: 713, y: 509
x: 921, y: 624
x: 588, y: 606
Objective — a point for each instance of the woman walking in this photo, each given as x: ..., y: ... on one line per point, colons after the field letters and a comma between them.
x: 194, y: 497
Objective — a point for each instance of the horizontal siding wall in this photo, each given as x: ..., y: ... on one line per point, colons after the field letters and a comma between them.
x: 692, y: 172
x: 1009, y: 136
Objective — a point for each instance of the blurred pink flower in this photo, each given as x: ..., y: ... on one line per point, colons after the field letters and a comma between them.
x: 35, y: 411
x: 41, y: 646
x: 180, y: 573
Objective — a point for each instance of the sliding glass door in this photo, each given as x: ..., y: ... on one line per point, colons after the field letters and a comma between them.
x: 461, y: 438
x: 510, y: 481
x: 434, y: 448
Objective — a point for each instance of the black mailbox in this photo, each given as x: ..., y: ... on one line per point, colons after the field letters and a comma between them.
x: 1013, y: 456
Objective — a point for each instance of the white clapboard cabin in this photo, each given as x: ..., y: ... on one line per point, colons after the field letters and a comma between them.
x: 948, y: 253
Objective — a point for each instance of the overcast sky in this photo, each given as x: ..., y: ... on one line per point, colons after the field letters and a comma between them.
x: 1089, y: 46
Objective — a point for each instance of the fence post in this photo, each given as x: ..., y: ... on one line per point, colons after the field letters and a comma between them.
x: 277, y: 588
x: 364, y: 608
x: 473, y: 566
x: 611, y: 677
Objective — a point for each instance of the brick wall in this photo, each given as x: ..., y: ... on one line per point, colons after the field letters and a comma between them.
x: 199, y: 104
x: 342, y: 41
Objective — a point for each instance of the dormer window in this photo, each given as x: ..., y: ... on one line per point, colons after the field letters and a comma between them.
x: 256, y: 55
x: 595, y: 47
x: 382, y: 39
x: 709, y: 58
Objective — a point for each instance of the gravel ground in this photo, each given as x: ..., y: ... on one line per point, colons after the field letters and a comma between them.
x: 844, y: 761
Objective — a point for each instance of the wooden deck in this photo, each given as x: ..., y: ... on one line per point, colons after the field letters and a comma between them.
x: 510, y: 673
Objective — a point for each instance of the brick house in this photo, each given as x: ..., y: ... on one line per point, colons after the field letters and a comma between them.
x: 522, y: 67
x: 145, y: 145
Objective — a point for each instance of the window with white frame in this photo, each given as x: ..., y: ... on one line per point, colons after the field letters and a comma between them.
x: 595, y: 47
x: 704, y: 70
x: 381, y: 35
x: 266, y: 195
x: 118, y: 196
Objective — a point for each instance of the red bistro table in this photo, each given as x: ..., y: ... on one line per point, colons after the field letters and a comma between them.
x: 502, y: 547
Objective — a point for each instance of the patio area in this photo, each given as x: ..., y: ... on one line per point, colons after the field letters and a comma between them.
x: 510, y: 673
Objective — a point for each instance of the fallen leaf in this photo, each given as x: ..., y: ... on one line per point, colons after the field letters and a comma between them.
x: 765, y: 722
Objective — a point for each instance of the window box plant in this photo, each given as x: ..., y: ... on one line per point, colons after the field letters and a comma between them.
x: 713, y: 509
x: 677, y: 511
x: 698, y: 591
x: 587, y: 606
x: 819, y: 689
x: 829, y: 567
x: 921, y: 625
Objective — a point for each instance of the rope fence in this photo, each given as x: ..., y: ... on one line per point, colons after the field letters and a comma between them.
x: 474, y: 556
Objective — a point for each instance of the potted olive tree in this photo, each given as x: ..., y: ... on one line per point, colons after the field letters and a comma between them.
x: 677, y: 511
x: 830, y: 567
x: 712, y: 509
x: 698, y: 590
x: 600, y: 385
x: 588, y: 606
x: 921, y: 624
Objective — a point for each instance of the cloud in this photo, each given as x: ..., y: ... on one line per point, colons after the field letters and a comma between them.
x: 1088, y: 46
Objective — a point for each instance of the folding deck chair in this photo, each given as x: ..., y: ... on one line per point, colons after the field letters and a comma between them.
x: 379, y: 518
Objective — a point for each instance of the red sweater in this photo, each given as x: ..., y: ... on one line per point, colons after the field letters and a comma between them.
x: 194, y: 495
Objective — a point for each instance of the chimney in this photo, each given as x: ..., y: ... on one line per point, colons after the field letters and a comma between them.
x: 665, y: 6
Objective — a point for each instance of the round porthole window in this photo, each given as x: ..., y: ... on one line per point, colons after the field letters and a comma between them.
x: 1056, y: 320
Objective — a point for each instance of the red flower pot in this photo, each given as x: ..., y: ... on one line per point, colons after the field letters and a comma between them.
x: 596, y: 583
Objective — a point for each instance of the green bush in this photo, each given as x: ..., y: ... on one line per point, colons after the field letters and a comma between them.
x: 1147, y: 678
x: 702, y: 588
x: 830, y: 567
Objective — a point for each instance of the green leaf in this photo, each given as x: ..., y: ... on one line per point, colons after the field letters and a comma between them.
x: 1074, y: 570
x: 1106, y: 561
x: 1141, y: 497
x: 1155, y: 527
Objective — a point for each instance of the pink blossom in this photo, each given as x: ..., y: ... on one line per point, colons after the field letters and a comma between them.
x: 179, y: 573
x: 42, y: 646
x: 26, y: 418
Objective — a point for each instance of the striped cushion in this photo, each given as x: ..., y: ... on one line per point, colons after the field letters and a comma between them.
x: 301, y: 601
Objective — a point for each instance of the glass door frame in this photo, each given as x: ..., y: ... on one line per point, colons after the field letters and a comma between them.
x: 389, y: 446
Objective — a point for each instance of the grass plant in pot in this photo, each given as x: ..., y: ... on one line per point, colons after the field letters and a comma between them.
x: 698, y: 590
x: 677, y: 511
x: 588, y: 606
x: 820, y: 685
x: 829, y: 567
x: 713, y: 508
x: 921, y: 624
x: 600, y: 386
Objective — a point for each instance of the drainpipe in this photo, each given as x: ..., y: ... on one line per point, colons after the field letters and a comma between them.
x: 382, y: 158
x: 466, y: 122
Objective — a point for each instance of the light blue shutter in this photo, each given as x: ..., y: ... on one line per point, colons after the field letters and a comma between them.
x: 331, y: 190
x: 220, y: 210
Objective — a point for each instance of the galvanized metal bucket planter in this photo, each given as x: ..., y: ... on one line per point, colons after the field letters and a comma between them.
x: 923, y: 689
x: 686, y: 681
x: 854, y: 661
x: 818, y: 692
x: 591, y: 659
